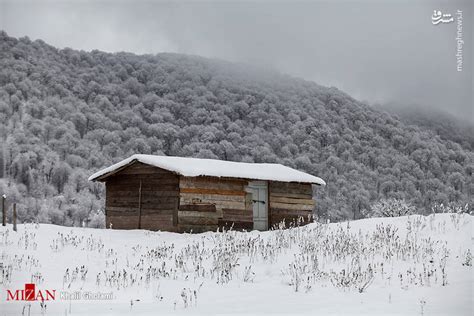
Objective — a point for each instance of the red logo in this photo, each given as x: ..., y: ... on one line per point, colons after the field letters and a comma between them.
x: 30, y: 294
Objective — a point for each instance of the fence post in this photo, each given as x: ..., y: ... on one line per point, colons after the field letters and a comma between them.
x: 4, y: 212
x: 14, y: 217
x: 140, y: 206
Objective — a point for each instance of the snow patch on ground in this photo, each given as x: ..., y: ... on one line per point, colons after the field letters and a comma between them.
x: 410, y: 265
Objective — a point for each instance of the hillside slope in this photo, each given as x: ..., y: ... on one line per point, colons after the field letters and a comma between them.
x: 443, y: 124
x: 400, y: 266
x: 68, y: 113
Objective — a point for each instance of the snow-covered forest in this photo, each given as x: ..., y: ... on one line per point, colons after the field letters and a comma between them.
x: 65, y: 114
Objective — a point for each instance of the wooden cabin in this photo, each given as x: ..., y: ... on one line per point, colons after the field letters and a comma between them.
x: 194, y: 195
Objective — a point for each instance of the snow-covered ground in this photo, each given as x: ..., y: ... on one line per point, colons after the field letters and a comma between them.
x: 387, y: 266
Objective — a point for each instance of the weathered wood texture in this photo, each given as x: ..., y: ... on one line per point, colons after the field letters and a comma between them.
x: 207, y: 203
x: 159, y: 198
x: 290, y: 202
x: 171, y: 202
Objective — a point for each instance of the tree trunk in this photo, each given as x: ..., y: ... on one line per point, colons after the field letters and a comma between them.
x: 14, y: 217
x: 4, y: 212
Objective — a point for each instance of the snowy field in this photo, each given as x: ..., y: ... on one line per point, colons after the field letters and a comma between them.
x: 411, y: 265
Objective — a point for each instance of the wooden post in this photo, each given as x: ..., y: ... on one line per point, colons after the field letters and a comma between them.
x: 14, y: 217
x: 269, y: 213
x: 4, y: 212
x: 140, y: 205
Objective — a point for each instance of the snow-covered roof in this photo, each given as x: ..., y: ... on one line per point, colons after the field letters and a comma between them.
x: 193, y: 167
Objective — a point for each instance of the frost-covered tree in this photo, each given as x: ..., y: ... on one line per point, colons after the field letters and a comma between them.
x: 451, y: 208
x: 390, y: 208
x: 65, y: 114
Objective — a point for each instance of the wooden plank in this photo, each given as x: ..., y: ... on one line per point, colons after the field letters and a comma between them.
x: 213, y: 197
x: 212, y: 191
x: 149, y: 204
x: 237, y: 218
x: 212, y: 183
x: 122, y: 204
x: 198, y: 207
x: 287, y: 211
x: 245, y: 212
x: 131, y: 166
x: 196, y: 220
x: 286, y: 200
x: 175, y: 216
x: 141, y: 168
x: 157, y: 218
x: 146, y: 211
x: 291, y: 185
x: 149, y: 178
x: 152, y: 208
x: 146, y: 198
x: 121, y: 209
x: 291, y: 191
x: 291, y: 195
x: 160, y: 206
x: 242, y: 219
x: 144, y: 171
x: 145, y: 187
x: 133, y: 177
x: 218, y: 204
x: 122, y: 222
x: 152, y: 222
x: 115, y: 213
x: 196, y: 214
x: 292, y: 188
x: 118, y: 193
x: 269, y: 213
x: 291, y: 206
x: 135, y: 212
x: 151, y: 174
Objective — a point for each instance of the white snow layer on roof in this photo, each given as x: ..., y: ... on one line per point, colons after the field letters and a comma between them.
x: 193, y: 167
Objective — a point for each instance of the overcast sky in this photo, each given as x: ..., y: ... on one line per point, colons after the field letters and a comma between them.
x: 378, y: 51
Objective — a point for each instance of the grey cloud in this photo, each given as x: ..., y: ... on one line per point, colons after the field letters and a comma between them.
x: 380, y: 52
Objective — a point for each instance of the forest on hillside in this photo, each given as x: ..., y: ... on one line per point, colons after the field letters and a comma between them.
x: 443, y: 124
x: 67, y: 113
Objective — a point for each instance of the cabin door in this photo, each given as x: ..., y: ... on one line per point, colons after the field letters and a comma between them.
x: 259, y: 190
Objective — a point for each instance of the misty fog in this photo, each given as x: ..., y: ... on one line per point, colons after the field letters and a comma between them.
x: 379, y: 53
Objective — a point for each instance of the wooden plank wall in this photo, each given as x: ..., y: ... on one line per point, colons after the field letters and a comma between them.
x: 207, y: 203
x: 159, y: 199
x: 288, y: 201
x: 175, y: 203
